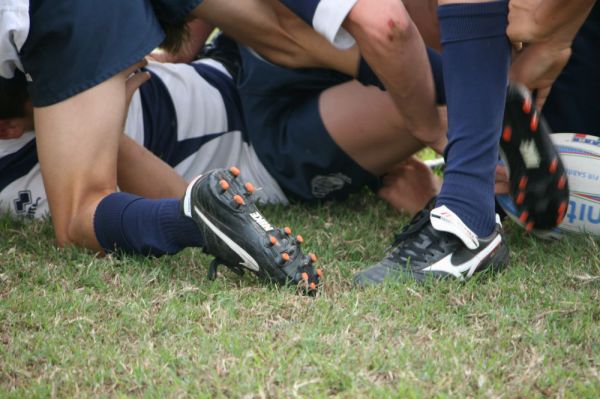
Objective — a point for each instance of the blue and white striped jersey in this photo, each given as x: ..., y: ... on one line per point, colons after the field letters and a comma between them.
x: 189, y: 115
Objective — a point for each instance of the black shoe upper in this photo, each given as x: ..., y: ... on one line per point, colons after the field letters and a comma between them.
x: 419, y: 247
x: 237, y: 234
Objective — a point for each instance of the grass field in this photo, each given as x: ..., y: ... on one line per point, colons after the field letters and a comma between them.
x: 75, y: 325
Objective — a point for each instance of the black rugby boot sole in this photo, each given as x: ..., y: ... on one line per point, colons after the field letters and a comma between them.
x: 240, y: 237
x: 538, y: 182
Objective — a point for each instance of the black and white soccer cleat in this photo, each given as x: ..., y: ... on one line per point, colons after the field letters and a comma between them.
x: 538, y: 182
x: 238, y: 235
x: 436, y: 244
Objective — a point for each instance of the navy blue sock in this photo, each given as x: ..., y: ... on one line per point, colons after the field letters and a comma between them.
x: 367, y: 77
x: 476, y: 56
x: 131, y: 224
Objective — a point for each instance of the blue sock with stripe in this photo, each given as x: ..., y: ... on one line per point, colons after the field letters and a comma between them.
x: 476, y: 56
x: 131, y: 224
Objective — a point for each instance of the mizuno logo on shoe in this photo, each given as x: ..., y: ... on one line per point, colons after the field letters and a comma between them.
x: 262, y: 222
x: 445, y: 265
x: 530, y: 154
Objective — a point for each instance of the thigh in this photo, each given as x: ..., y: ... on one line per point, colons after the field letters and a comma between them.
x: 365, y: 123
x: 77, y: 148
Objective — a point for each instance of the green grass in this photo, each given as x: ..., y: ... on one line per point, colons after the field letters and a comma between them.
x: 75, y: 325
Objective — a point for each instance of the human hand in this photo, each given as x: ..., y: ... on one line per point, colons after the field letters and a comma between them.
x: 135, y: 78
x: 522, y: 26
x: 133, y: 82
x: 538, y: 65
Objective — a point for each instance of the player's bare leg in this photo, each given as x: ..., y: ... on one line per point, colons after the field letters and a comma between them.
x: 393, y: 47
x: 461, y: 235
x: 377, y: 136
x: 365, y: 123
x: 78, y: 158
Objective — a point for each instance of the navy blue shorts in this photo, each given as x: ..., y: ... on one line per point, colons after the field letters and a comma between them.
x: 281, y: 109
x: 74, y: 45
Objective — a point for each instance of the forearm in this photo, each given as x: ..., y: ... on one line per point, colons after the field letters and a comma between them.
x: 561, y: 19
x: 143, y: 173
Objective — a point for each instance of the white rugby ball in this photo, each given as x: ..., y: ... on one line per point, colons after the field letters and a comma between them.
x: 580, y: 154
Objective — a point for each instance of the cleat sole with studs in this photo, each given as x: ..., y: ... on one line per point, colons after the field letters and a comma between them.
x: 538, y: 181
x: 239, y: 236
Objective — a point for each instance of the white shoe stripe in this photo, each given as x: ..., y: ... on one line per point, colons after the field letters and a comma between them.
x: 444, y: 265
x: 248, y: 261
x: 187, y: 198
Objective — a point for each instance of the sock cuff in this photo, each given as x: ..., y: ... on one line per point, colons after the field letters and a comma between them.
x: 467, y: 21
x: 108, y: 220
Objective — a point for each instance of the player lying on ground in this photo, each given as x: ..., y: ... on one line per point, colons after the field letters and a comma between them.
x: 190, y: 117
x: 22, y: 190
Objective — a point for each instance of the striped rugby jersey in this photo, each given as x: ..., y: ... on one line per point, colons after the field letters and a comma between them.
x: 189, y: 115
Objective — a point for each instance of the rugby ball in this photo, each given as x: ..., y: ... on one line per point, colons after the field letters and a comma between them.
x: 580, y: 154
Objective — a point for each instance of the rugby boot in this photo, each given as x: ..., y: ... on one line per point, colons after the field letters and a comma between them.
x: 538, y: 182
x: 240, y: 237
x: 436, y: 244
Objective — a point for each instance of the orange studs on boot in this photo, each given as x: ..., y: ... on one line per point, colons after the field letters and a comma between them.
x: 527, y: 105
x: 305, y: 276
x: 523, y: 183
x: 562, y: 182
x: 524, y: 216
x: 320, y: 273
x: 507, y: 133
x: 224, y: 185
x: 529, y: 227
x: 535, y: 121
x: 287, y: 231
x: 299, y: 239
x: 285, y: 256
x: 234, y: 171
x: 313, y: 286
x: 313, y: 257
x: 562, y: 210
x: 553, y: 166
x: 273, y: 240
x: 238, y: 200
x: 249, y: 188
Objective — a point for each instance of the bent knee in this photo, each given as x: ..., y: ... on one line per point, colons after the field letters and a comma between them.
x: 385, y: 34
